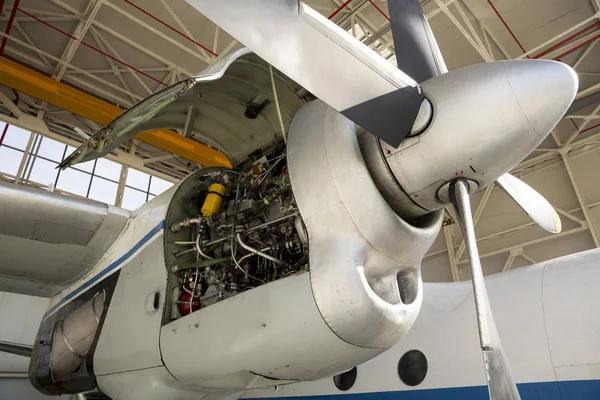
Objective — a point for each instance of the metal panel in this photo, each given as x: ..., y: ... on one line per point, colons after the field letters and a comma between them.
x: 49, y: 240
x: 71, y: 99
x: 218, y: 98
x: 566, y: 291
x: 147, y: 384
x: 130, y: 334
x: 48, y: 217
x: 272, y: 334
x: 364, y: 259
x: 446, y: 333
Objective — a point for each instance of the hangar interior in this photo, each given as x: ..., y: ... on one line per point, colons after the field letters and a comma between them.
x: 67, y: 68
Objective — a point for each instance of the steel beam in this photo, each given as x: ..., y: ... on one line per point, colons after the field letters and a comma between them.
x: 584, y: 207
x: 586, y: 92
x: 456, y: 274
x: 480, y: 50
x: 529, y: 243
x: 80, y: 31
x: 105, y: 46
x: 587, y: 51
x: 560, y: 35
x: 78, y: 102
x: 117, y: 35
x: 509, y: 262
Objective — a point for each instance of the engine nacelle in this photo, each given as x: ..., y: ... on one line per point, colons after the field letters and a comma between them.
x: 358, y: 295
x: 289, y: 267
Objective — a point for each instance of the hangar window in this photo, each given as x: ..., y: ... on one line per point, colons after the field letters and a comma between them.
x: 95, y: 179
x: 412, y: 367
x: 345, y: 380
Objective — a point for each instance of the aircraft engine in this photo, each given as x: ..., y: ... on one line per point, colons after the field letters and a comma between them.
x: 293, y: 249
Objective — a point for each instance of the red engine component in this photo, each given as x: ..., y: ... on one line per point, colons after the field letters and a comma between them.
x: 184, y: 303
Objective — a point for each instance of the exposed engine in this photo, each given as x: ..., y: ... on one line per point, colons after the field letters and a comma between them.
x: 234, y: 230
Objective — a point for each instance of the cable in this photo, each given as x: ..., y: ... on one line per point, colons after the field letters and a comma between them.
x: 266, y: 173
x: 277, y: 104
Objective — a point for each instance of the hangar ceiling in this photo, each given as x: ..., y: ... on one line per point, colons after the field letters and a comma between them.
x: 121, y: 51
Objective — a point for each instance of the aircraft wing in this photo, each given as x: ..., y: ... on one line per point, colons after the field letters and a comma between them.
x: 48, y: 240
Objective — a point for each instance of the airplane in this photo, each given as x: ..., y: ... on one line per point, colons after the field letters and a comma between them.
x: 303, y: 260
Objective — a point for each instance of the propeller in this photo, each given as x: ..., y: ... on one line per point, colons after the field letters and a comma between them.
x: 328, y: 62
x: 533, y: 203
x: 473, y: 140
x: 488, y: 117
x: 497, y: 371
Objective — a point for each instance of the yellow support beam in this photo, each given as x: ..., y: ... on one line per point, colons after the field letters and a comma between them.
x: 33, y: 83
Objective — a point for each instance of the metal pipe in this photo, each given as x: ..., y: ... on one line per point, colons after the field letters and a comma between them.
x: 199, y: 250
x: 184, y: 223
x: 274, y: 221
x: 257, y: 227
x: 11, y: 19
x: 238, y: 266
x: 258, y: 252
x: 177, y: 255
x: 14, y: 375
x: 200, y: 264
x: 252, y: 254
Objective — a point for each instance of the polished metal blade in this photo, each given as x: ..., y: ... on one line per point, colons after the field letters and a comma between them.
x: 417, y: 51
x: 533, y: 203
x: 500, y: 381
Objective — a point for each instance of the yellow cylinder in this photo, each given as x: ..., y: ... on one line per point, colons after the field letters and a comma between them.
x: 213, y: 200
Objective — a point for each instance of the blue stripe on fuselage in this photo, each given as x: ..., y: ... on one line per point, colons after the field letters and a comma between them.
x: 102, y: 274
x: 563, y: 390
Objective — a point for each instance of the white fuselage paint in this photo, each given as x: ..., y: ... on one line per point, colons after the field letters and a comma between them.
x: 547, y: 317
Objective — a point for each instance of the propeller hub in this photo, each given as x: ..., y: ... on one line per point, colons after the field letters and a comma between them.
x: 486, y: 119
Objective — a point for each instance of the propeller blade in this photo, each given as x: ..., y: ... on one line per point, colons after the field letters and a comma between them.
x: 326, y: 60
x: 500, y: 381
x: 417, y: 51
x: 533, y: 203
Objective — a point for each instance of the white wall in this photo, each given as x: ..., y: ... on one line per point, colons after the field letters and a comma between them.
x: 20, y: 318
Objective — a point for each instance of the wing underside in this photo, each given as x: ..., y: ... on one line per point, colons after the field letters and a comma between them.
x: 48, y: 240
